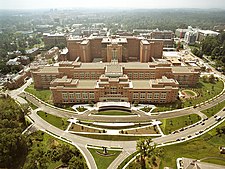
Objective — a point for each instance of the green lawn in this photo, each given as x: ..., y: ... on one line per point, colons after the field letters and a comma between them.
x: 189, y: 92
x: 114, y: 113
x: 204, y: 146
x: 44, y: 95
x: 205, y: 91
x: 127, y: 160
x: 54, y: 120
x: 32, y: 105
x: 103, y: 162
x: 213, y: 110
x: 113, y: 137
x: 170, y: 125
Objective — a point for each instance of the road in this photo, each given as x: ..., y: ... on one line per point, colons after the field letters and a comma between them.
x: 128, y: 146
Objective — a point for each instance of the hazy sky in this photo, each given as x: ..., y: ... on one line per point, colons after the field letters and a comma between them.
x: 36, y: 4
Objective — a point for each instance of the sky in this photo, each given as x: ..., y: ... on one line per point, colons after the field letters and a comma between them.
x: 43, y: 4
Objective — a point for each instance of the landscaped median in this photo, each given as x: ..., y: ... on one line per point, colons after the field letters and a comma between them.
x: 104, y: 158
x: 56, y: 121
x: 170, y: 125
x: 213, y: 110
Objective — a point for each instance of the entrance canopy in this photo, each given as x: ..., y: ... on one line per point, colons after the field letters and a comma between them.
x: 114, y: 106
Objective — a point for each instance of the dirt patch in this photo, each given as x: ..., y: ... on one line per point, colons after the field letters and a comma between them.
x: 78, y: 128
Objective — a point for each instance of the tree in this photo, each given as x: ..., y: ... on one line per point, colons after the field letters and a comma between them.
x: 212, y: 78
x: 147, y: 149
x: 66, y: 154
x: 76, y: 163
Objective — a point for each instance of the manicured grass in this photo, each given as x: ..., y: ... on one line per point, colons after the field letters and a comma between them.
x: 44, y: 95
x: 54, y: 120
x: 114, y: 113
x: 213, y: 110
x: 113, y: 137
x: 170, y: 125
x: 81, y: 109
x: 205, y: 92
x: 127, y: 160
x: 103, y: 162
x: 204, y: 146
x: 215, y: 161
x: 189, y: 92
x: 146, y: 109
x: 32, y: 105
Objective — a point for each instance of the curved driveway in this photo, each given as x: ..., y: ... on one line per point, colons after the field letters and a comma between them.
x: 128, y: 146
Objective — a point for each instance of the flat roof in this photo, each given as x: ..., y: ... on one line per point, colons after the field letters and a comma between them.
x: 135, y: 65
x: 49, y: 69
x: 145, y: 42
x: 86, y: 84
x: 182, y: 69
x: 141, y: 84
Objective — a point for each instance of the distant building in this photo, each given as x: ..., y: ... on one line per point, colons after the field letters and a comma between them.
x: 127, y: 48
x: 167, y: 37
x: 24, y: 60
x: 32, y: 52
x: 13, y: 62
x: 194, y: 35
x: 180, y: 33
x: 52, y: 52
x: 54, y: 39
x: 63, y: 55
x: 19, y: 79
x: 219, y: 28
x: 202, y: 34
x: 190, y: 37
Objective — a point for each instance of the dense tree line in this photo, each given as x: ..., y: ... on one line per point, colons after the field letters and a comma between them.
x: 32, y: 151
x: 213, y: 47
x: 12, y: 143
x: 43, y: 152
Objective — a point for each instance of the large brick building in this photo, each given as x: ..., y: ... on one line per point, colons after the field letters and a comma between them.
x: 99, y: 69
x: 153, y: 82
x: 126, y: 49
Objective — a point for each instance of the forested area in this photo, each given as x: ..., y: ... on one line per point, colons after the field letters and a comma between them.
x: 214, y: 48
x: 35, y: 151
x: 13, y: 146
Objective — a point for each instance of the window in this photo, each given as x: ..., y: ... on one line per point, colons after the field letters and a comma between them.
x: 77, y: 95
x: 142, y: 96
x: 163, y: 95
x: 85, y: 95
x: 129, y: 75
x: 71, y: 95
x: 136, y: 75
x: 76, y: 75
x: 87, y: 75
x: 65, y: 96
x: 141, y: 75
x: 149, y: 96
x: 91, y: 95
x: 147, y: 75
x: 135, y: 95
x: 156, y: 95
x: 82, y: 75
x: 113, y: 89
x: 93, y: 75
